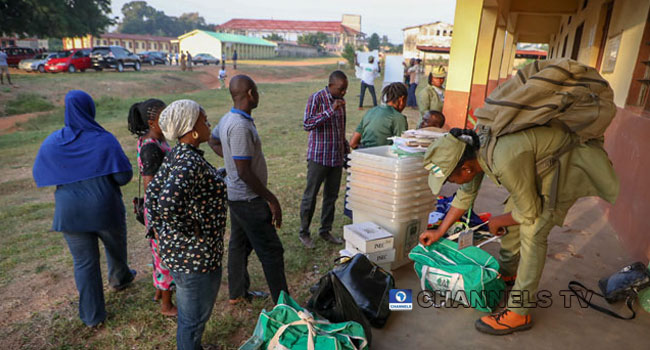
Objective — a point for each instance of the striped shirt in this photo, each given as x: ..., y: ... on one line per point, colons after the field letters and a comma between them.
x: 327, y: 144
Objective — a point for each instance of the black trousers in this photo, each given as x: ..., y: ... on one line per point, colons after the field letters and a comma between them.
x: 316, y: 175
x: 251, y: 228
x: 370, y: 88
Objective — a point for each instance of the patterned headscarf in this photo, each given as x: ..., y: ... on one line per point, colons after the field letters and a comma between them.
x: 179, y: 118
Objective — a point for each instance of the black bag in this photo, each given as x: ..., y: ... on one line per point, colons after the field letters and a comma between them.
x: 138, y: 204
x: 368, y: 284
x: 331, y: 300
x: 623, y: 285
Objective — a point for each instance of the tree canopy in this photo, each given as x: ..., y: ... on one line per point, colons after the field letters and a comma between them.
x: 140, y: 18
x: 54, y: 18
x: 373, y: 42
x: 273, y: 37
x: 318, y: 39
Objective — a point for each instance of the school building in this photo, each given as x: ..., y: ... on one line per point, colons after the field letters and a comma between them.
x: 431, y: 35
x: 135, y: 43
x: 611, y: 35
x: 216, y: 44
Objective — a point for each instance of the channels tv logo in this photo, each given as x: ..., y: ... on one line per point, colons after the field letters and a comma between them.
x: 400, y: 300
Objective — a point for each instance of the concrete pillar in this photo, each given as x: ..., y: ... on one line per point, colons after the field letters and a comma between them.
x: 505, y: 62
x: 467, y: 22
x: 495, y: 62
x: 483, y: 59
x: 513, y: 53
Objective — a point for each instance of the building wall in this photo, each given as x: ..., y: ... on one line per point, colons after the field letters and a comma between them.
x: 201, y: 42
x: 136, y: 46
x: 435, y: 34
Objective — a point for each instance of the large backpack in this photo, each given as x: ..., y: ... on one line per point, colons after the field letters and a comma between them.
x: 560, y: 91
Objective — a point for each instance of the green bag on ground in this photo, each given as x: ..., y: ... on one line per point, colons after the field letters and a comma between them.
x: 469, y: 276
x: 289, y: 326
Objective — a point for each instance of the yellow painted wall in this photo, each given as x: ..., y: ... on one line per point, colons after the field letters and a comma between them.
x: 497, y: 53
x: 484, y: 47
x: 507, y: 55
x: 629, y: 17
x: 467, y: 20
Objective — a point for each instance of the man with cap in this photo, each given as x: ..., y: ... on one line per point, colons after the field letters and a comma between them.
x: 432, y: 96
x: 533, y: 207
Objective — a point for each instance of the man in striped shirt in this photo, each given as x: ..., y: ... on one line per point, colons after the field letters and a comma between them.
x: 325, y: 120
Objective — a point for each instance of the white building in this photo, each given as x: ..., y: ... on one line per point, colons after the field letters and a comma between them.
x: 216, y: 44
x: 432, y: 35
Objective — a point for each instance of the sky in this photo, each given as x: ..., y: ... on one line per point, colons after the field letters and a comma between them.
x: 384, y: 17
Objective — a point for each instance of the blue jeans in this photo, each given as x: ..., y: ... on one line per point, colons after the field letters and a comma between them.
x: 87, y: 272
x: 195, y: 297
x: 411, y: 101
x: 370, y: 88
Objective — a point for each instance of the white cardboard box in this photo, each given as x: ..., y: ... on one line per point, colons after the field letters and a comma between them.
x: 380, y: 257
x: 368, y: 237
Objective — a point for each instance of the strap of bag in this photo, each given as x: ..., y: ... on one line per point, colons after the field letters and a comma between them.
x: 545, y: 165
x: 306, y: 319
x: 629, y: 301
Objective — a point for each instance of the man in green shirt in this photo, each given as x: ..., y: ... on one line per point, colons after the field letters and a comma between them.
x: 432, y: 96
x: 383, y: 121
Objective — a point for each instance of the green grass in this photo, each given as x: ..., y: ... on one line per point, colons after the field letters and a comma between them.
x: 27, y: 103
x: 28, y: 251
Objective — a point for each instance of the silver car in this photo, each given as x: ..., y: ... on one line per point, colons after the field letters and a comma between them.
x: 37, y: 63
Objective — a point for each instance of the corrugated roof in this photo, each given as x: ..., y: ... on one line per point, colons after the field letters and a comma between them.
x: 134, y: 37
x: 297, y: 26
x: 240, y: 39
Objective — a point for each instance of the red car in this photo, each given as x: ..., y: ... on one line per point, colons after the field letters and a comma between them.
x: 17, y: 54
x: 70, y: 61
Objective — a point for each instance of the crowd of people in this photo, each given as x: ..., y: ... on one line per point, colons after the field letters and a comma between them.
x: 186, y: 198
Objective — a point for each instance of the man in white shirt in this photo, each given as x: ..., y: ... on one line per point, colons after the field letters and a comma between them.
x: 369, y: 71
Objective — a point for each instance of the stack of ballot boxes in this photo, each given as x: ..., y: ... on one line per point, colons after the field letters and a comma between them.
x: 371, y: 240
x: 391, y: 192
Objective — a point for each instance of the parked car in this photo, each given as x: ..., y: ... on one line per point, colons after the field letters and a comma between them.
x: 104, y: 57
x: 69, y: 61
x: 205, y: 58
x: 38, y: 62
x: 153, y: 57
x: 16, y: 54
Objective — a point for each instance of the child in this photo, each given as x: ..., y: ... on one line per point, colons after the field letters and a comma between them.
x: 222, y: 77
x: 432, y: 119
x: 143, y: 122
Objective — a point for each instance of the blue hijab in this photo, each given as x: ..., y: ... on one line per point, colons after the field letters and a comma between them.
x: 81, y: 150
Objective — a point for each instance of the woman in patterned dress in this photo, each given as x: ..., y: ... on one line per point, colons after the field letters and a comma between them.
x: 186, y: 202
x: 152, y: 147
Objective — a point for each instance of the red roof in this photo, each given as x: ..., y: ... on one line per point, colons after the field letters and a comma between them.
x: 538, y: 53
x: 434, y: 49
x: 134, y: 37
x: 277, y: 25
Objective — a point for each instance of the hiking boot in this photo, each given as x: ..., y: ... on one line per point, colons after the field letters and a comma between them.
x: 306, y: 241
x: 509, y: 280
x: 328, y: 237
x: 504, y: 322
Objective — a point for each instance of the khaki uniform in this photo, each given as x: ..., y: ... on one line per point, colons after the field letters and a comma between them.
x: 584, y: 171
x: 429, y: 99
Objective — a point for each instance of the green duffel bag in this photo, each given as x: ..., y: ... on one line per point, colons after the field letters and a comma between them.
x: 469, y: 276
x: 289, y: 326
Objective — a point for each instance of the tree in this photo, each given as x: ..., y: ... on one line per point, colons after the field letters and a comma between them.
x: 373, y: 42
x: 385, y: 41
x: 140, y: 18
x: 273, y: 37
x: 54, y: 18
x: 317, y: 40
x: 397, y: 48
x: 349, y: 54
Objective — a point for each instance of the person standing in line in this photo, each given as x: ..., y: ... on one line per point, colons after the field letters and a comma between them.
x: 327, y: 147
x: 186, y: 208
x: 4, y: 67
x: 152, y: 147
x: 88, y: 166
x: 414, y: 80
x: 255, y: 211
x: 189, y: 61
x: 369, y: 72
x: 183, y: 61
x: 432, y: 97
x: 234, y: 59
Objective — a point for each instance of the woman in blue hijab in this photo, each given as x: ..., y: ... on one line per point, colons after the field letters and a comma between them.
x: 87, y: 165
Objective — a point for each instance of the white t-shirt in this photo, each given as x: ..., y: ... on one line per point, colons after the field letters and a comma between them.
x: 222, y: 74
x: 368, y: 73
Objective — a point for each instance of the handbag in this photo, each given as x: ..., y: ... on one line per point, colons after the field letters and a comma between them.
x: 622, y: 285
x: 332, y: 301
x: 368, y: 284
x: 138, y: 203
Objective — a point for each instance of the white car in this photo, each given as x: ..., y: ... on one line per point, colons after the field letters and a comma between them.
x: 37, y: 63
